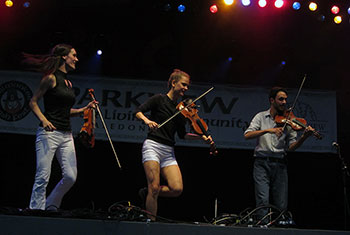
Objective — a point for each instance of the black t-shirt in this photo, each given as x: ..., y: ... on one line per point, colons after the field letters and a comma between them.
x: 58, y: 102
x: 162, y: 108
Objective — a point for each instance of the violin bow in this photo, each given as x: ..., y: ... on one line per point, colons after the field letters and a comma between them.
x: 295, y: 101
x: 188, y: 105
x: 91, y: 92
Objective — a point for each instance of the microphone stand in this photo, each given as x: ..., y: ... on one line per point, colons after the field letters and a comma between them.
x: 345, y: 174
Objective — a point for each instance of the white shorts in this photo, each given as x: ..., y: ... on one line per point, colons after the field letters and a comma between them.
x: 161, y: 153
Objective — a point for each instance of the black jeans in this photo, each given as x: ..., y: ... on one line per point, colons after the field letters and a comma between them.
x: 271, y: 184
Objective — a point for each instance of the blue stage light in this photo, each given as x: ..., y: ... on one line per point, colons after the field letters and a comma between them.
x: 296, y: 5
x: 26, y: 4
x: 181, y: 8
x: 321, y: 17
x: 99, y: 52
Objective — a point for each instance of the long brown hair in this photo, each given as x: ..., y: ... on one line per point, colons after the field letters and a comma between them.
x: 48, y: 63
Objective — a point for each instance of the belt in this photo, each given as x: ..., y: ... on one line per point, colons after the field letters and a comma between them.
x: 272, y: 159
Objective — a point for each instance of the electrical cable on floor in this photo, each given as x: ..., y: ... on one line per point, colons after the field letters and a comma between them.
x: 250, y: 218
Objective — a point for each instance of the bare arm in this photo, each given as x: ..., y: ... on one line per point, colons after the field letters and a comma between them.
x: 77, y: 112
x: 254, y: 134
x: 151, y: 124
x: 308, y: 132
x: 46, y: 83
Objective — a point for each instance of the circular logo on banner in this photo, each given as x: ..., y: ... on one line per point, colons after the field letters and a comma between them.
x: 14, y: 100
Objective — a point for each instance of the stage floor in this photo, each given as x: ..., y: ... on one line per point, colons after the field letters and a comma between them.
x: 39, y: 225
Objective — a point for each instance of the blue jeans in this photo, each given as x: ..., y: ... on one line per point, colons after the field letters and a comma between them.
x: 271, y: 185
x: 48, y: 144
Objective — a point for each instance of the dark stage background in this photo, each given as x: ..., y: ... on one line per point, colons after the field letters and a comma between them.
x: 141, y: 40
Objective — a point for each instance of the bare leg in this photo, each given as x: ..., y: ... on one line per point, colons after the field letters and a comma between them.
x: 172, y: 175
x: 152, y: 171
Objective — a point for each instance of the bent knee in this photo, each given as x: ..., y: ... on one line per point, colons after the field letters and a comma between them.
x: 69, y: 179
x: 176, y: 191
x: 154, y: 189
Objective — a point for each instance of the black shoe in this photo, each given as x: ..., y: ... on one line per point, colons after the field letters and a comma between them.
x: 52, y: 208
x: 143, y: 195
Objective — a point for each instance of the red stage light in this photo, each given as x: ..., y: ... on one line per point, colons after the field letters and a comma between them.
x: 213, y: 9
x: 279, y: 3
x: 262, y: 3
x: 335, y: 10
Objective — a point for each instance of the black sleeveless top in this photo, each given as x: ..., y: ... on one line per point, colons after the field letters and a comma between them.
x: 58, y: 102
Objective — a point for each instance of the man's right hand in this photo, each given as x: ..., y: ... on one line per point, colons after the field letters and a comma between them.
x: 277, y: 131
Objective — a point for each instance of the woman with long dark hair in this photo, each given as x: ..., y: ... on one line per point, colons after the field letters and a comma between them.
x: 54, y: 134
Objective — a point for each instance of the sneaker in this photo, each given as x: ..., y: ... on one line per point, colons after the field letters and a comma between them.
x: 143, y: 195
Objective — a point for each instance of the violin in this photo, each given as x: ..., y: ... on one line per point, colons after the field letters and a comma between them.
x: 87, y: 132
x: 198, y: 124
x: 296, y: 123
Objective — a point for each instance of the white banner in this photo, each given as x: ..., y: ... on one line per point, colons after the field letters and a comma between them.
x: 227, y: 110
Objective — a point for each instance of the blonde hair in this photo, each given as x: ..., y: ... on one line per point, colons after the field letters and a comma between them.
x: 176, y: 75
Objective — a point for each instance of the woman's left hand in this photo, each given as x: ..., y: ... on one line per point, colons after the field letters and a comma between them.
x: 92, y: 104
x: 208, y: 139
